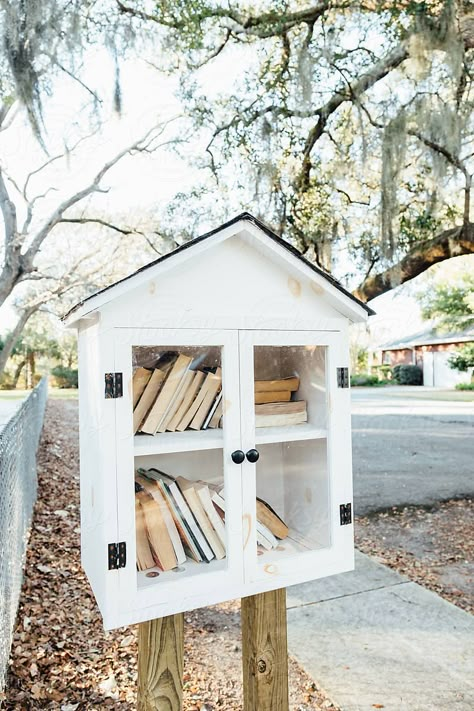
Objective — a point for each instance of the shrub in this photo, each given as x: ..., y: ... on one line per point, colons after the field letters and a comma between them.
x: 407, y: 374
x: 64, y: 377
x: 463, y: 359
x: 464, y: 386
x: 367, y: 380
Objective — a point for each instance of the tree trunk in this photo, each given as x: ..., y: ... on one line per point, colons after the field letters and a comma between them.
x: 18, y: 370
x: 13, y: 336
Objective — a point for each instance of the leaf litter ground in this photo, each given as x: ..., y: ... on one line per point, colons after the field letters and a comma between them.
x: 62, y: 658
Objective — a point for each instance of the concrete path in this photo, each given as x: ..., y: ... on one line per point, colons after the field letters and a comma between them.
x: 7, y: 410
x: 411, y: 446
x: 373, y: 639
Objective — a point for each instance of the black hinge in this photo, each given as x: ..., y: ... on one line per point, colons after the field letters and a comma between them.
x: 345, y: 514
x: 117, y: 555
x: 343, y: 377
x: 113, y: 385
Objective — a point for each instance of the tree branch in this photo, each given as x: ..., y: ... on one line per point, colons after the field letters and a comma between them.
x: 143, y: 144
x: 349, y: 93
x: 449, y: 243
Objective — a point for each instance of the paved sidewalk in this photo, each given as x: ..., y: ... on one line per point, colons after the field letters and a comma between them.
x: 7, y: 410
x: 373, y: 639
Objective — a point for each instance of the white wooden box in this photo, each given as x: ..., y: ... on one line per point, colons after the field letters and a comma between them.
x: 241, y: 298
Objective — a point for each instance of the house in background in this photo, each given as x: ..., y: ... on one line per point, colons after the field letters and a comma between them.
x: 429, y: 350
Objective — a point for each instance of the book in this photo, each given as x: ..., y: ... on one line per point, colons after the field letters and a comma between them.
x: 195, y: 405
x: 216, y: 419
x: 212, y: 385
x: 165, y: 396
x: 188, y: 399
x: 291, y: 383
x: 140, y: 378
x: 280, y: 414
x: 205, y: 496
x: 272, y: 396
x: 177, y: 400
x: 152, y: 488
x: 157, y: 531
x: 148, y: 397
x: 267, y: 516
x: 186, y: 513
x: 194, y: 503
x: 267, y: 536
x: 145, y: 559
x: 210, y: 414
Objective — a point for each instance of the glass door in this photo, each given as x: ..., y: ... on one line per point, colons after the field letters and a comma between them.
x: 293, y: 423
x: 178, y: 415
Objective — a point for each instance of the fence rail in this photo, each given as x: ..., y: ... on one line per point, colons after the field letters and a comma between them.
x: 18, y: 485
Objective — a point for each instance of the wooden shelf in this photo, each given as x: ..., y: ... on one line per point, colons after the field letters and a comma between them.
x: 187, y: 441
x: 188, y: 569
x: 293, y: 433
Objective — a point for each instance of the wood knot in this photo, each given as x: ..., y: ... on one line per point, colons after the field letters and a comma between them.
x: 261, y: 666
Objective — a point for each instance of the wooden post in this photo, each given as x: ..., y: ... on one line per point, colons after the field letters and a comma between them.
x: 264, y: 652
x: 160, y: 664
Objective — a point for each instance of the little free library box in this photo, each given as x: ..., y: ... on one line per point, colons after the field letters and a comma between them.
x: 214, y: 426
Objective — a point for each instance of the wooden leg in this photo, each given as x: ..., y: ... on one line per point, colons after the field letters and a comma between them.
x: 264, y: 652
x: 160, y: 664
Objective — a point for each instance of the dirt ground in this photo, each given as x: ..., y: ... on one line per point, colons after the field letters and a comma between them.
x: 61, y: 657
x: 432, y: 546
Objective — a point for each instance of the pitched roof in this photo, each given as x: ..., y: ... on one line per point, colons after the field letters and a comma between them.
x: 244, y: 216
x: 429, y: 336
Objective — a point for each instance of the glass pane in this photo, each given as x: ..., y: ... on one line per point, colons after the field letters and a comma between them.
x: 290, y: 386
x: 292, y: 473
x: 178, y: 525
x: 292, y: 480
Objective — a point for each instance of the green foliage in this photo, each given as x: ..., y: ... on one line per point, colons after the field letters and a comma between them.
x: 463, y: 359
x: 64, y: 377
x: 464, y: 386
x: 407, y: 374
x: 450, y: 303
x: 366, y: 380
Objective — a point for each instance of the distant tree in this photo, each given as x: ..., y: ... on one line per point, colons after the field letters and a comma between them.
x: 463, y: 359
x: 25, y: 259
x: 450, y: 303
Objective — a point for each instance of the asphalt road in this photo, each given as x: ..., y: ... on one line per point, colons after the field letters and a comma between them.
x: 411, y: 446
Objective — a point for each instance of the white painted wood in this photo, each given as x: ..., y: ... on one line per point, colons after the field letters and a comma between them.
x: 236, y: 294
x: 209, y: 464
x: 97, y: 465
x: 295, y: 476
x: 258, y: 250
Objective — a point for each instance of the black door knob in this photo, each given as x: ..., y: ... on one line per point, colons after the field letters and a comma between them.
x: 252, y: 455
x: 238, y: 456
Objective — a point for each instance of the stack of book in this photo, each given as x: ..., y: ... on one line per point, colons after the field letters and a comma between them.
x: 274, y: 406
x: 177, y: 518
x: 174, y: 397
